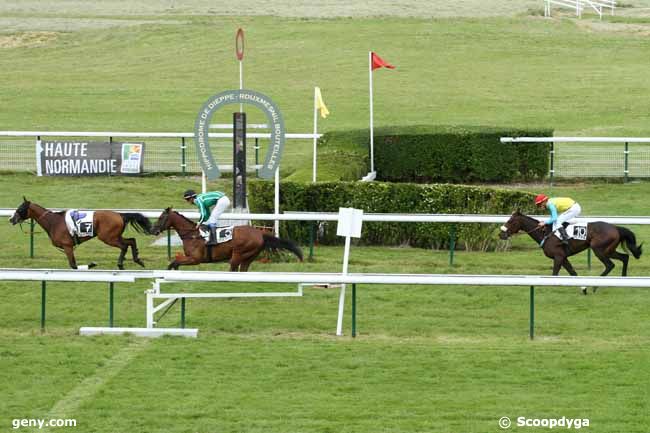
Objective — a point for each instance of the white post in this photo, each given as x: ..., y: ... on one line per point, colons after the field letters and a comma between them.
x: 349, y: 225
x: 276, y: 200
x: 372, y: 142
x: 346, y: 258
x: 204, y: 182
x: 313, y: 176
x: 149, y: 309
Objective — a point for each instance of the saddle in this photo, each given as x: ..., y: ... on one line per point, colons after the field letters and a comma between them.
x: 222, y: 234
x: 80, y: 224
x: 574, y: 231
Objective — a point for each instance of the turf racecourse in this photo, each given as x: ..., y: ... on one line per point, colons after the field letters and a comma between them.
x: 427, y: 359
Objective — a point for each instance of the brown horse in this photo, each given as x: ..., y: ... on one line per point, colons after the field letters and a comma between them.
x: 602, y: 238
x: 108, y: 227
x: 246, y: 244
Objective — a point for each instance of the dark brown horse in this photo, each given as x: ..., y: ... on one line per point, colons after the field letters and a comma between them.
x: 602, y: 238
x: 246, y: 244
x: 108, y: 227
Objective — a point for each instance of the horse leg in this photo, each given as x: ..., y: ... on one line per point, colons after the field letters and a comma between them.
x: 69, y: 252
x: 245, y: 264
x: 569, y: 267
x: 134, y: 250
x: 235, y: 261
x: 117, y: 243
x: 557, y: 263
x: 625, y: 258
x: 609, y: 265
x: 185, y: 261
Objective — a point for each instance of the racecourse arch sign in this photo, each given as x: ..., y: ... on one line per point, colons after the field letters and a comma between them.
x: 243, y: 96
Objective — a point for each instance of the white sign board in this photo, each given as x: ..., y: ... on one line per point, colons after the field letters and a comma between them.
x: 350, y: 221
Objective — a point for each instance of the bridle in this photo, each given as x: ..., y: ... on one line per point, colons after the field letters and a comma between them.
x: 182, y: 233
x: 506, y: 229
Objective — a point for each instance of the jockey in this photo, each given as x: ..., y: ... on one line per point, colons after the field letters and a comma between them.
x: 562, y: 210
x: 216, y: 200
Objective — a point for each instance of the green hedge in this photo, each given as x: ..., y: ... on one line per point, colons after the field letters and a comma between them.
x: 422, y: 153
x: 378, y: 197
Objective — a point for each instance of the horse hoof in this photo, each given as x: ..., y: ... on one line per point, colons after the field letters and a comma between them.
x: 91, y: 265
x: 120, y: 267
x: 584, y: 290
x: 140, y: 262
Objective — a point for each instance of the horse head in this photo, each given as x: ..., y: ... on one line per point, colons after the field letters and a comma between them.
x: 162, y: 223
x: 22, y: 212
x: 512, y: 226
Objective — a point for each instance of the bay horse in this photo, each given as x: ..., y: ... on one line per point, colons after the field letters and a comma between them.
x: 108, y: 227
x: 602, y: 238
x: 246, y: 244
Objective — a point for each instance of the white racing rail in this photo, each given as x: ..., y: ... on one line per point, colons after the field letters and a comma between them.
x: 371, y: 217
x: 580, y: 5
x: 180, y: 277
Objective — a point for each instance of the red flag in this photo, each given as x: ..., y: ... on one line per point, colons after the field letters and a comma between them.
x: 378, y: 62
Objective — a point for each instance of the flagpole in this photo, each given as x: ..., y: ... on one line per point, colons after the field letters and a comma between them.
x: 313, y: 177
x: 372, y: 134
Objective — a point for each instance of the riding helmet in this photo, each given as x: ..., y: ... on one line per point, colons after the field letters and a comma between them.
x: 540, y: 198
x: 190, y: 193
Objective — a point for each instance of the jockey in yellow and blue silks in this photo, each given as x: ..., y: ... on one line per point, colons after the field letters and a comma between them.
x: 216, y: 200
x: 562, y: 210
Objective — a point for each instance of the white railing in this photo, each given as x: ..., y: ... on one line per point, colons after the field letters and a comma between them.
x: 15, y: 274
x: 116, y: 134
x: 372, y: 217
x: 575, y: 139
x: 580, y: 5
x: 21, y: 274
x: 594, y: 161
x: 300, y: 278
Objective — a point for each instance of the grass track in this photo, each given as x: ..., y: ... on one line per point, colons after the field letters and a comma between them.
x: 427, y: 358
x: 445, y: 359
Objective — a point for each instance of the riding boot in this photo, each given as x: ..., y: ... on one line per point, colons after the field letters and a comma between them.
x: 213, y: 235
x: 564, y: 237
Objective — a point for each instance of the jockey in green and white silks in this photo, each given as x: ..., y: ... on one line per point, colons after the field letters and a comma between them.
x: 216, y: 200
x: 562, y: 210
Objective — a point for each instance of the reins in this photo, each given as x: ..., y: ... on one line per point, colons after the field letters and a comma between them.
x: 535, y: 229
x: 182, y: 233
x: 38, y: 221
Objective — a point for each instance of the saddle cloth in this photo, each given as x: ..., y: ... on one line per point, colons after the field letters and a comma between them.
x: 80, y: 223
x: 224, y: 234
x: 575, y: 231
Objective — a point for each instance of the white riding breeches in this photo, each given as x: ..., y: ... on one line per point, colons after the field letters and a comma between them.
x: 567, y: 215
x: 219, y: 208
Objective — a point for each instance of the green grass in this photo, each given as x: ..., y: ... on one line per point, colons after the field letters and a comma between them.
x: 427, y: 359
x: 511, y: 72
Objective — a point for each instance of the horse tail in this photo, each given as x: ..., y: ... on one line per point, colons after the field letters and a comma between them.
x: 274, y: 244
x: 630, y: 240
x: 137, y: 221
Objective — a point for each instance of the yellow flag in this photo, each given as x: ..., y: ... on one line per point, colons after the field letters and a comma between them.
x: 320, y: 105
